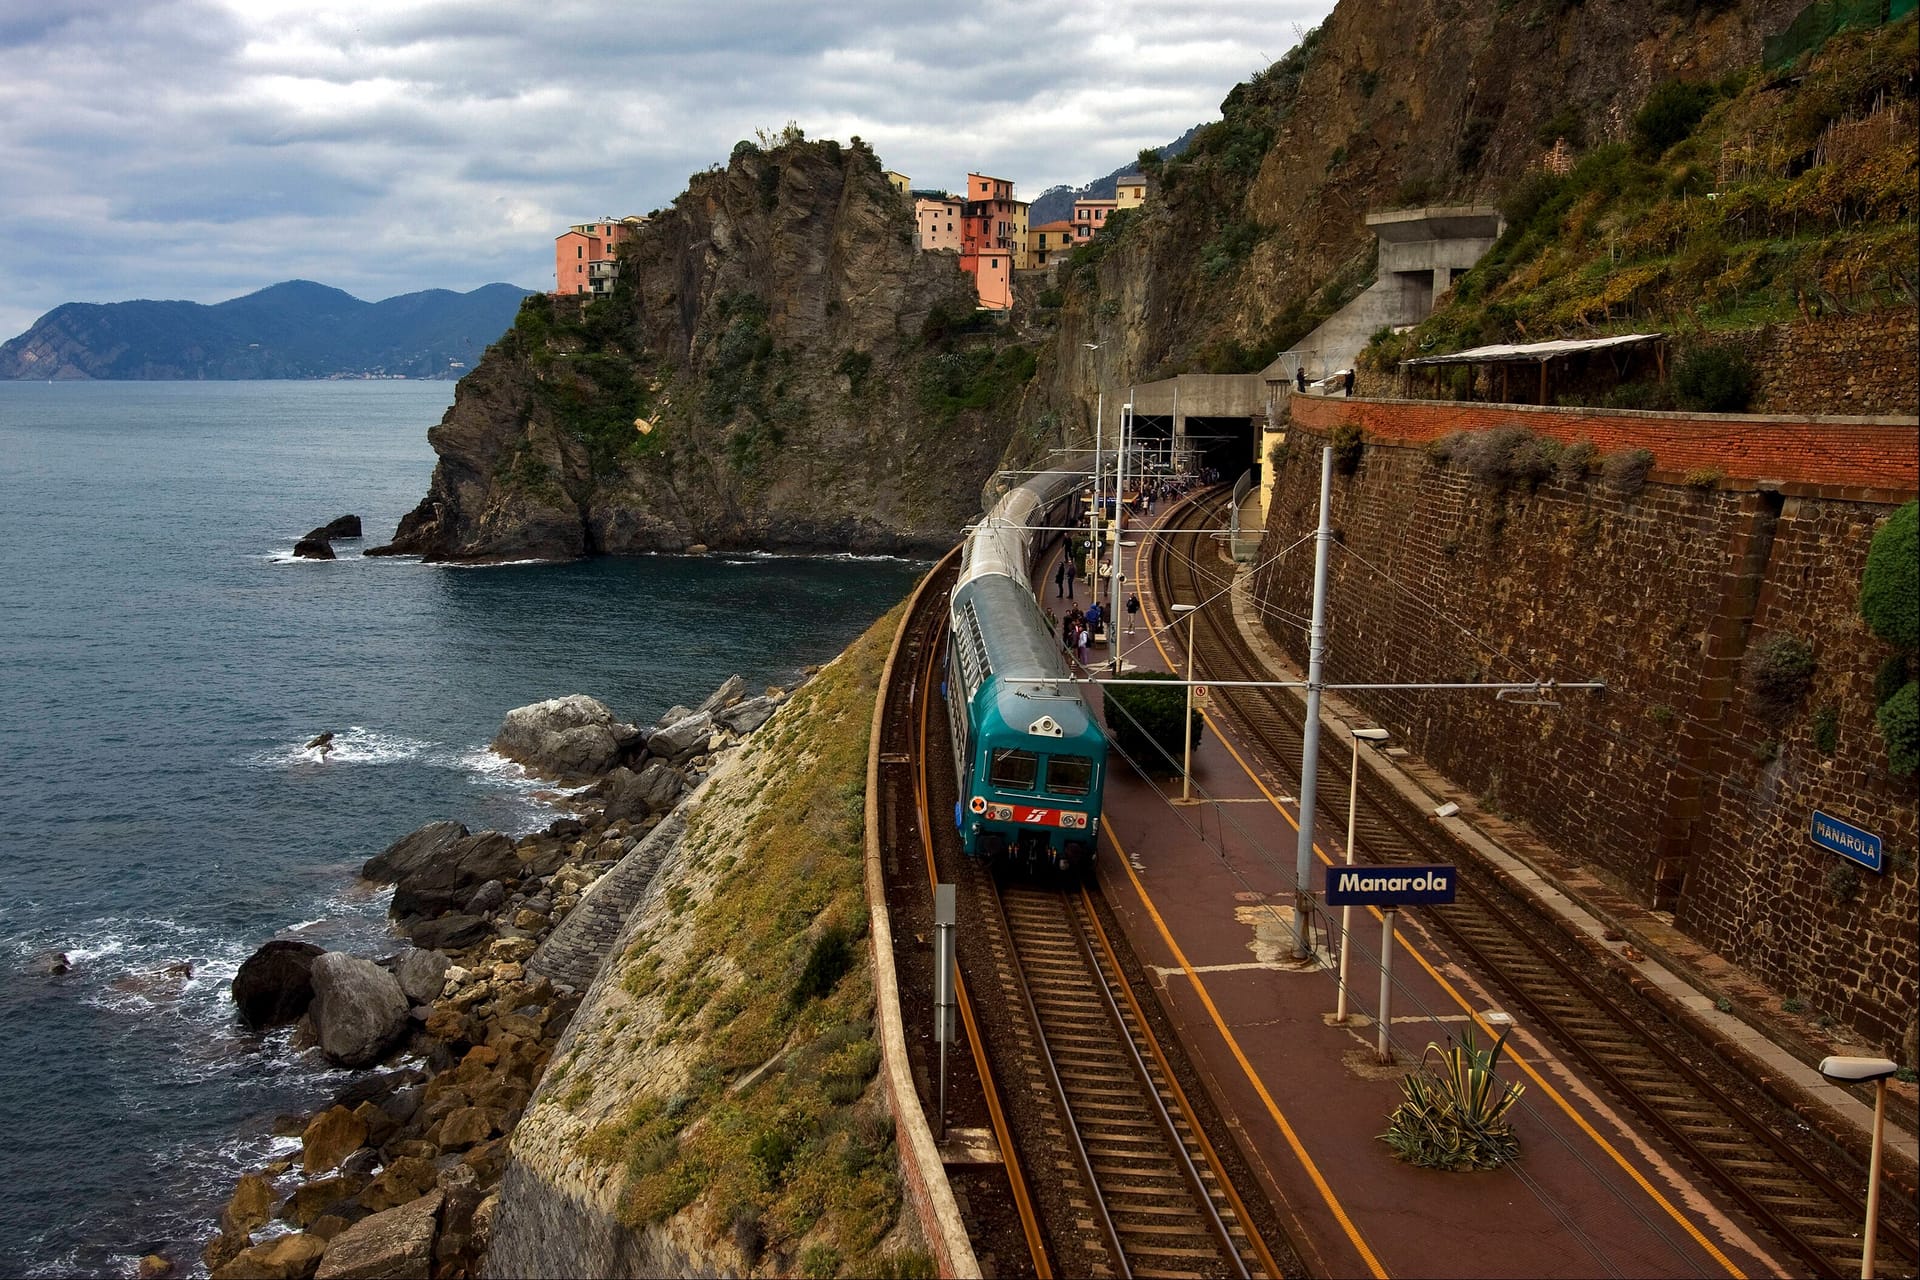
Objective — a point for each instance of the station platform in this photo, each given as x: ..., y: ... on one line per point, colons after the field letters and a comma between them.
x: 1205, y: 893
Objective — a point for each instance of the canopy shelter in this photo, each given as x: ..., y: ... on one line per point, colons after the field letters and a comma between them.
x: 1622, y: 349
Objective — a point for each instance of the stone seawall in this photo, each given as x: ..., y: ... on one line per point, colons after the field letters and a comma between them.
x: 1674, y: 782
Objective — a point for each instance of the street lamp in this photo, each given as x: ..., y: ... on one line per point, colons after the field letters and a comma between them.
x: 1186, y: 724
x: 1346, y: 913
x: 1093, y: 515
x: 1861, y: 1071
x: 1115, y: 568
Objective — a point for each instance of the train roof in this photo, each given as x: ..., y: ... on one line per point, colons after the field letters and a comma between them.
x: 996, y: 618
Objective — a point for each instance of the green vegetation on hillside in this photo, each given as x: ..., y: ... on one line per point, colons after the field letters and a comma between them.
x: 1890, y: 602
x: 1735, y: 204
x: 778, y: 1142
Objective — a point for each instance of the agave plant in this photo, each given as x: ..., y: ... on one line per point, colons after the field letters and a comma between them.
x: 1455, y: 1117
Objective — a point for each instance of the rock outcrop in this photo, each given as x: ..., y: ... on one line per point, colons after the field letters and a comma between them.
x: 775, y: 367
x: 338, y: 527
x: 566, y: 737
x: 358, y: 1009
x: 312, y: 548
x: 274, y: 985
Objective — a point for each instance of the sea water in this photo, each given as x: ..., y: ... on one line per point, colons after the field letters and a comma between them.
x: 163, y: 662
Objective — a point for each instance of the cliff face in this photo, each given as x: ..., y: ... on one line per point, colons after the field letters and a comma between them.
x: 1256, y: 232
x: 792, y: 363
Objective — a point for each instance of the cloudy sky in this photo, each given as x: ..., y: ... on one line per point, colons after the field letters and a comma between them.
x: 202, y: 149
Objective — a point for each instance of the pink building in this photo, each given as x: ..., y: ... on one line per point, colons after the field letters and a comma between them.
x: 576, y: 250
x: 936, y: 220
x: 1089, y: 216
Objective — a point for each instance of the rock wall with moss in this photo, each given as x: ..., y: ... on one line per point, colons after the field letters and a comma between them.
x: 774, y: 368
x: 713, y: 1108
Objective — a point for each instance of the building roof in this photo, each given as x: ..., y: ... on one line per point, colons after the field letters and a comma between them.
x: 1062, y: 224
x: 1535, y: 352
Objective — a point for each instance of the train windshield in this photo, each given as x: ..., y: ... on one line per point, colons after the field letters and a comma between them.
x: 1014, y: 770
x: 1069, y: 775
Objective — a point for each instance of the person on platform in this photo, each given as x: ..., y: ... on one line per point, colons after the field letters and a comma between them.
x: 1133, y: 609
x: 1060, y: 579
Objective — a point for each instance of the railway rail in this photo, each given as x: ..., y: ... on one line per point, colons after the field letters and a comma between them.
x: 1107, y: 1166
x: 1811, y: 1203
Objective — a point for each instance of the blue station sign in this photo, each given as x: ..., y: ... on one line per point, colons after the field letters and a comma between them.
x: 1391, y: 886
x: 1847, y: 840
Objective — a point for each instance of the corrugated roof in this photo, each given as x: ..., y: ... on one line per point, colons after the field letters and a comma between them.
x: 1535, y: 352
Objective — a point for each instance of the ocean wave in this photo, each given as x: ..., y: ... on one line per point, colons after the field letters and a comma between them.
x: 355, y: 745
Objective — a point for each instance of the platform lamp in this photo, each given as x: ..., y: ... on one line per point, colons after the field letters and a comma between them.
x: 1862, y: 1071
x: 1375, y: 736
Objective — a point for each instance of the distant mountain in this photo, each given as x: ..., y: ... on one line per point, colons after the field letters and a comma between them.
x: 297, y: 329
x: 1056, y: 203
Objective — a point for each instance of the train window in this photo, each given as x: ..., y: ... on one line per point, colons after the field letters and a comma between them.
x: 1014, y: 770
x: 1069, y: 775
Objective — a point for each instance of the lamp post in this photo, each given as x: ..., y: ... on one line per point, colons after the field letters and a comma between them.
x: 1186, y: 724
x: 1119, y: 491
x: 1093, y: 515
x: 1346, y: 912
x: 1862, y: 1071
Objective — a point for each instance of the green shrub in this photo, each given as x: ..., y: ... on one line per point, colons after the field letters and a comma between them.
x: 1668, y: 115
x: 1455, y: 1118
x: 1347, y: 448
x: 1627, y: 471
x: 1899, y: 720
x: 1714, y: 379
x: 1144, y: 722
x: 1826, y: 729
x: 1890, y: 585
x: 829, y: 958
x: 1780, y: 671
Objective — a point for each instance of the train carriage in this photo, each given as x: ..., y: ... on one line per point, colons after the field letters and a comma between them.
x: 1029, y: 757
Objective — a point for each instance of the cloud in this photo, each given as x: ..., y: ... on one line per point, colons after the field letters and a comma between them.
x: 204, y: 148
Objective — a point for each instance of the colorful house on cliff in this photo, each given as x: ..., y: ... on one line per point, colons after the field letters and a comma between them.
x: 936, y: 220
x: 1049, y: 242
x: 584, y: 254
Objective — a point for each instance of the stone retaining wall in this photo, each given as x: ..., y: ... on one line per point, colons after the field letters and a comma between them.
x: 580, y: 944
x: 1672, y: 782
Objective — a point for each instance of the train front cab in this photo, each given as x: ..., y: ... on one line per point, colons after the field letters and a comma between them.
x: 1034, y: 803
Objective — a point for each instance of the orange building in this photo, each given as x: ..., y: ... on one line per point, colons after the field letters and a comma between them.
x: 581, y: 246
x: 989, y: 238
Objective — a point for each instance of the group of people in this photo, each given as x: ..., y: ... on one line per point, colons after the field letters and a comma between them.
x: 1077, y: 630
x: 1342, y: 380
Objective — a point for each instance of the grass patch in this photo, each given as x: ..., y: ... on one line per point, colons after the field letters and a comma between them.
x: 771, y: 969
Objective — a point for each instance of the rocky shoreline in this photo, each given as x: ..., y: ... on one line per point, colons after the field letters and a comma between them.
x: 397, y: 1176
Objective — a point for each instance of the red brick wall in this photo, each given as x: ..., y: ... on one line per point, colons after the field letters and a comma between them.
x: 1846, y: 453
x: 1664, y: 779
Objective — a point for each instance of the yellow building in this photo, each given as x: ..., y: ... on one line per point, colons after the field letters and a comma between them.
x: 1130, y: 191
x: 1021, y: 259
x: 1049, y: 242
x: 898, y: 181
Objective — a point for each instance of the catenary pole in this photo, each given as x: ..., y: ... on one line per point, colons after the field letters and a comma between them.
x: 1310, y: 741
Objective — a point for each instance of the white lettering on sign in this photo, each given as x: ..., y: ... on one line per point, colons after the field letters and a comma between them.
x: 1366, y: 882
x: 1841, y: 836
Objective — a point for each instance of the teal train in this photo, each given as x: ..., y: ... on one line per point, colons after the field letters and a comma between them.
x: 1030, y: 758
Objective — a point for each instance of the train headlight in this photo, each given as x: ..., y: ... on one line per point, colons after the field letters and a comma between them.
x: 1068, y: 818
x: 1000, y: 812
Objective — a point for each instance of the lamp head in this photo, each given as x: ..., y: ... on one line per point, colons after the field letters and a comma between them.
x: 1858, y: 1070
x: 1372, y: 735
x: 1185, y: 608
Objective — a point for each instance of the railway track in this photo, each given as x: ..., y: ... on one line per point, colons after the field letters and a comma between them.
x: 1811, y: 1203
x: 1108, y: 1168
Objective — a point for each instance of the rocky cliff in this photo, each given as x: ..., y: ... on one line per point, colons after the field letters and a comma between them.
x: 774, y: 368
x: 1256, y: 232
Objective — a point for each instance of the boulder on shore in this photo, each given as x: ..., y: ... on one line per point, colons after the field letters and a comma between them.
x: 449, y: 932
x: 275, y: 984
x: 339, y: 527
x: 413, y: 852
x: 726, y: 695
x: 683, y: 739
x: 358, y: 1008
x: 422, y: 973
x: 394, y: 1243
x: 462, y: 867
x: 313, y: 549
x: 566, y: 737
x: 630, y: 796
